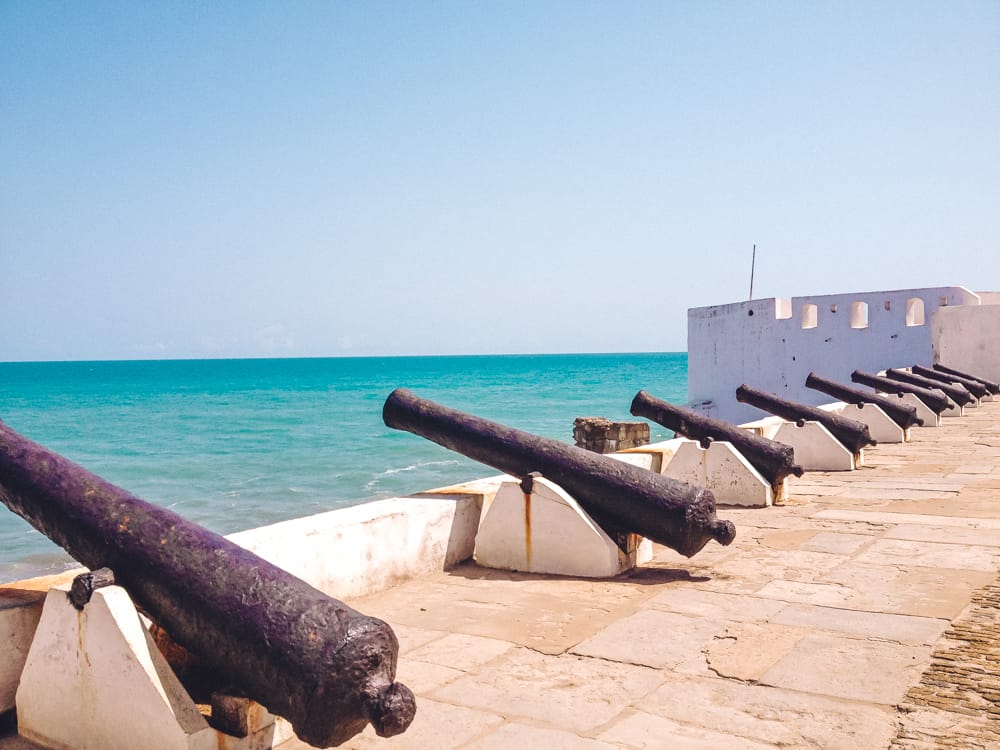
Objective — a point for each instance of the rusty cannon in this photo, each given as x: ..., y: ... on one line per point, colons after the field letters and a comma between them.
x: 977, y: 389
x: 303, y: 655
x: 620, y: 497
x: 991, y: 386
x: 956, y: 393
x: 773, y: 460
x: 935, y: 400
x: 903, y: 415
x: 852, y: 434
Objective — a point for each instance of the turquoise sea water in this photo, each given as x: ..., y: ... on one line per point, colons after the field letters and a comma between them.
x: 234, y: 444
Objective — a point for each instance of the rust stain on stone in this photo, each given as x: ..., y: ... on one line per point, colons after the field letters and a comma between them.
x: 527, y: 528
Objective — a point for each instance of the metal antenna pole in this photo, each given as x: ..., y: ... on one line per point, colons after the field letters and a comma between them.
x: 753, y: 262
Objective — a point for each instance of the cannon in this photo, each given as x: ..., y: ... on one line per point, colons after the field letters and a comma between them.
x: 935, y: 400
x: 903, y: 415
x: 620, y: 497
x: 977, y: 389
x: 956, y: 393
x: 327, y: 668
x: 993, y: 387
x: 852, y: 434
x: 773, y: 460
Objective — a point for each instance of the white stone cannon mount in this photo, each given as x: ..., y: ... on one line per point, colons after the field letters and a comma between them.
x: 719, y: 467
x: 535, y: 526
x: 95, y: 680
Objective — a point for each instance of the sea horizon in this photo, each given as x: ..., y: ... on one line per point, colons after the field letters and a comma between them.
x: 202, y: 358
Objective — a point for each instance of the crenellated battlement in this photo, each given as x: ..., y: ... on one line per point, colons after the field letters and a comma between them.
x: 774, y: 343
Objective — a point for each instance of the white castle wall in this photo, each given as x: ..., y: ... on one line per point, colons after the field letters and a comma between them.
x: 968, y: 338
x: 773, y: 344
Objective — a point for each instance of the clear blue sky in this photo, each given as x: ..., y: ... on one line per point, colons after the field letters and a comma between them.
x: 298, y: 179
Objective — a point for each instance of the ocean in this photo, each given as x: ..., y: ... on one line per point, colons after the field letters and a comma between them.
x: 235, y: 444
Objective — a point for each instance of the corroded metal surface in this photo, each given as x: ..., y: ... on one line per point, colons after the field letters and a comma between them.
x: 619, y: 496
x: 993, y: 387
x: 303, y: 655
x: 774, y: 461
x: 901, y: 413
x: 956, y: 393
x: 854, y: 435
x: 936, y: 401
x: 977, y: 389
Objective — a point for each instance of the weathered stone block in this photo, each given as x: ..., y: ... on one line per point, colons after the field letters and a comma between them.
x: 601, y: 435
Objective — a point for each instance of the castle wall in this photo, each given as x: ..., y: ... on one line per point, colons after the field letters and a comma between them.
x: 773, y: 344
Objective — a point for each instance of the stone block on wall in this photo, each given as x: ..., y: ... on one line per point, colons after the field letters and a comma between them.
x: 601, y: 435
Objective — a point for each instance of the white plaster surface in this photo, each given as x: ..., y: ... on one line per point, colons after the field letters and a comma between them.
x: 546, y: 532
x: 722, y: 469
x: 378, y: 544
x: 94, y: 680
x: 18, y: 621
x: 968, y: 339
x: 815, y: 448
x: 880, y: 425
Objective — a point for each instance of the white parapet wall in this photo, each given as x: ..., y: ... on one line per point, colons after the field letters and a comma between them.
x: 959, y: 340
x: 773, y: 344
x: 366, y: 548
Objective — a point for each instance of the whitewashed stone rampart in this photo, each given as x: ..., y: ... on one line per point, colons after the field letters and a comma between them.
x: 968, y: 338
x: 773, y: 344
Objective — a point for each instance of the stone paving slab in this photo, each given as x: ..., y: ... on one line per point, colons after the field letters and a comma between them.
x: 928, y: 554
x: 769, y: 715
x: 649, y: 732
x: 948, y: 534
x: 907, y: 590
x: 747, y: 651
x: 651, y: 638
x: 863, y: 624
x: 572, y: 693
x: 852, y: 668
x: 437, y: 725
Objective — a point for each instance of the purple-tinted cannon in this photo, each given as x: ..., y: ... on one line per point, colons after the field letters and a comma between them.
x: 618, y: 496
x: 934, y: 400
x: 852, y: 434
x: 773, y: 460
x: 991, y: 386
x: 902, y: 414
x: 977, y: 389
x: 956, y: 393
x: 303, y: 655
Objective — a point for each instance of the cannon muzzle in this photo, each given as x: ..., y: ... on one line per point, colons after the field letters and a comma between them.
x: 935, y: 400
x: 620, y: 497
x: 852, y: 434
x: 903, y: 415
x: 991, y: 386
x: 774, y: 461
x: 303, y: 655
x: 956, y: 393
x: 977, y: 389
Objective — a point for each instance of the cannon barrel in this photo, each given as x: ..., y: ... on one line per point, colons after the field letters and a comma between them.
x: 852, y: 434
x: 619, y: 496
x: 993, y: 387
x: 773, y: 460
x: 303, y: 655
x: 956, y: 393
x: 903, y: 415
x: 974, y: 387
x: 936, y: 401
